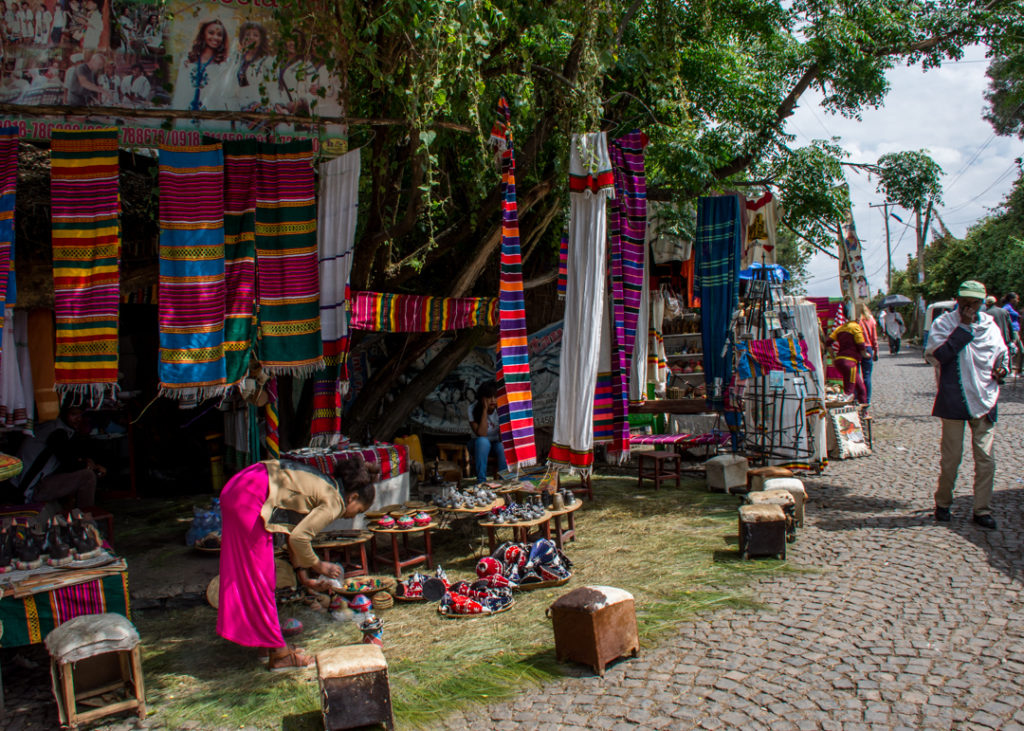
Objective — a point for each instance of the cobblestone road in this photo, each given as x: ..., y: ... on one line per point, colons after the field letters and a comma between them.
x: 910, y: 624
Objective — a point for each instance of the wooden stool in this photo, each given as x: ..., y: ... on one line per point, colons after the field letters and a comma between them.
x: 402, y: 557
x: 660, y: 471
x: 594, y: 625
x: 784, y: 500
x: 726, y: 473
x: 354, y: 688
x: 795, y: 488
x: 757, y: 475
x: 762, y: 531
x: 92, y: 656
x: 457, y: 453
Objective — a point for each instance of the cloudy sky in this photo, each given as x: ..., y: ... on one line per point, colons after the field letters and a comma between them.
x: 940, y: 111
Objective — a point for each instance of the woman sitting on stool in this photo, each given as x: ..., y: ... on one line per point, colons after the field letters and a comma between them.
x: 483, y: 422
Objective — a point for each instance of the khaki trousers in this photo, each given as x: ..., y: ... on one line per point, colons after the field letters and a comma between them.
x: 982, y: 439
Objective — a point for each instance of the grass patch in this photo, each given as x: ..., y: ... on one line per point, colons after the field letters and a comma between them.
x: 673, y: 549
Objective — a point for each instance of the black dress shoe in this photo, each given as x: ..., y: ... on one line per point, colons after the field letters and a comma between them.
x: 985, y: 521
x: 942, y: 514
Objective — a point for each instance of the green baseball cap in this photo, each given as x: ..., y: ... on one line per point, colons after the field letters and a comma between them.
x: 971, y: 288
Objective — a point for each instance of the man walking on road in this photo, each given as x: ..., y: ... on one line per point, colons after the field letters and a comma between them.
x: 971, y: 354
x: 892, y: 325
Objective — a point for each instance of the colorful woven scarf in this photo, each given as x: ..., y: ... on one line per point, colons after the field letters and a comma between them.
x: 191, y: 300
x: 287, y: 276
x: 86, y: 256
x: 394, y: 313
x: 515, y: 397
x: 8, y: 185
x: 273, y: 420
x: 758, y: 357
x: 241, y: 161
x: 627, y: 228
x: 719, y: 240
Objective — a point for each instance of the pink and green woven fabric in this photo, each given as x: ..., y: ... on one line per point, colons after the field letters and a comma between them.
x: 86, y: 260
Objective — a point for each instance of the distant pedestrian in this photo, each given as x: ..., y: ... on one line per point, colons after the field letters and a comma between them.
x: 971, y: 355
x: 866, y: 320
x: 1010, y: 304
x: 893, y: 327
x: 1002, y: 319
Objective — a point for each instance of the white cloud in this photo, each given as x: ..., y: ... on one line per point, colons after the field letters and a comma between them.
x: 939, y: 110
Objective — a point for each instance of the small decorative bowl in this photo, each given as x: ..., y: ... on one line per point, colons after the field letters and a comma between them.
x: 405, y: 522
x: 421, y: 519
x: 387, y: 522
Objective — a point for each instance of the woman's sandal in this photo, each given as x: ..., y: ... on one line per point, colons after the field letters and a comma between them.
x: 292, y: 659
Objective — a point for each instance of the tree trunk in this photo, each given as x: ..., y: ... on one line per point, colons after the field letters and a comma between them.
x: 426, y: 381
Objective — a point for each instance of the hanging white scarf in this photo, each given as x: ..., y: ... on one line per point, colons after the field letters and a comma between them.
x: 591, y: 185
x: 17, y: 407
x: 336, y: 233
x: 976, y: 360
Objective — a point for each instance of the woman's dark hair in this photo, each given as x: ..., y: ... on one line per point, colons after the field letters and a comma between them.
x: 356, y: 476
x: 263, y: 47
x: 1009, y: 297
x: 200, y: 43
x: 487, y: 389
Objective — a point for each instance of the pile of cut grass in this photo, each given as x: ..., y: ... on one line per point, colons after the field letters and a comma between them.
x: 673, y: 549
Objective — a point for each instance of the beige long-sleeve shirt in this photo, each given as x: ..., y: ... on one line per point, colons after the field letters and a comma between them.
x: 300, y: 489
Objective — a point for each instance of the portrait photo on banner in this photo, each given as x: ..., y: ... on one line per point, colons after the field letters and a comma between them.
x: 205, y: 55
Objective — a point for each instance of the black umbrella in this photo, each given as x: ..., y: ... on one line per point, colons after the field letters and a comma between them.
x: 893, y: 300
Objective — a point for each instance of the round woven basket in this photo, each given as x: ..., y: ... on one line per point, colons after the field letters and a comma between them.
x: 382, y: 600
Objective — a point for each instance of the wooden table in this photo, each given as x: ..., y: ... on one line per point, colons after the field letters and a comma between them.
x: 569, y: 534
x: 346, y: 545
x: 520, y: 530
x: 403, y: 557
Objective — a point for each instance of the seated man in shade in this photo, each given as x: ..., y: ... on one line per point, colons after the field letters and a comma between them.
x: 55, y: 463
x: 483, y: 423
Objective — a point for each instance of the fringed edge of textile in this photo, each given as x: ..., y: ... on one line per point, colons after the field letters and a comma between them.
x: 566, y: 464
x: 523, y: 463
x: 303, y: 370
x: 621, y: 456
x: 81, y: 392
x: 201, y: 393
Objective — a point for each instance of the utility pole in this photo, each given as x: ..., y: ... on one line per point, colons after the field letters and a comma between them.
x: 888, y: 248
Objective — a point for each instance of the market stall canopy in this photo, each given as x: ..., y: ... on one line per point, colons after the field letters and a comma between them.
x: 769, y: 272
x: 894, y: 300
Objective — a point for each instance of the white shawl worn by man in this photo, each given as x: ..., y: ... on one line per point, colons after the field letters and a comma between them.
x: 971, y: 354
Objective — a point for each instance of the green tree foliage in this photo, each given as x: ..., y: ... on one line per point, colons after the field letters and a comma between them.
x: 910, y: 179
x: 992, y: 252
x: 710, y: 81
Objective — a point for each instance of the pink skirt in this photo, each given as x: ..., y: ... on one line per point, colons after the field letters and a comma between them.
x: 247, y: 613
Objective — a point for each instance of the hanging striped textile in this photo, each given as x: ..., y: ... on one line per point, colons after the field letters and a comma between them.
x: 627, y: 229
x: 563, y: 265
x: 719, y: 241
x: 394, y: 313
x: 287, y: 272
x: 241, y: 160
x: 86, y: 256
x: 8, y: 185
x: 515, y: 397
x: 758, y: 357
x: 191, y: 300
